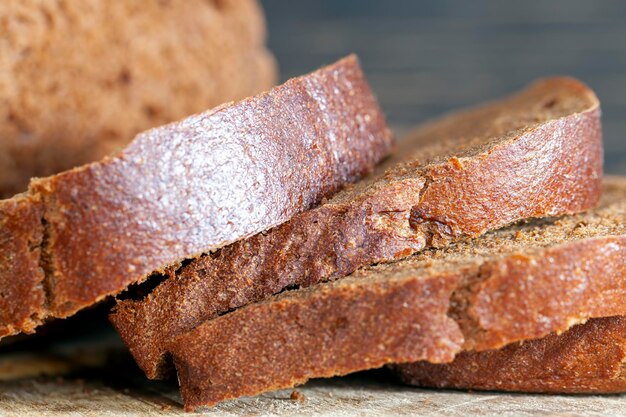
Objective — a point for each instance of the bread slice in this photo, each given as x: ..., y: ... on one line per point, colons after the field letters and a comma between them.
x: 79, y: 79
x: 184, y: 189
x: 518, y: 283
x: 589, y: 358
x: 536, y: 153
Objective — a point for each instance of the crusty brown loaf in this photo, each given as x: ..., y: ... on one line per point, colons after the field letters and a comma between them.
x: 79, y: 79
x: 184, y: 189
x: 519, y: 283
x: 588, y: 358
x: 536, y: 153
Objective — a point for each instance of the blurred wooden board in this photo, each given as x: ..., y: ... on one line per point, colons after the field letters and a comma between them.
x: 95, y: 376
x: 352, y: 396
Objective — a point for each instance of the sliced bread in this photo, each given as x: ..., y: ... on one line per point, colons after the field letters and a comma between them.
x: 184, y: 189
x: 78, y: 79
x: 518, y: 283
x: 589, y: 358
x: 536, y: 153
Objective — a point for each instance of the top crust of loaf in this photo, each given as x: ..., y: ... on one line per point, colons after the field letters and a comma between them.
x: 190, y: 187
x: 520, y: 283
x: 536, y: 153
x: 79, y: 79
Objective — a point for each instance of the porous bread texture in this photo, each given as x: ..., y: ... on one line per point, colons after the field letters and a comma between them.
x: 536, y: 153
x: 519, y: 283
x: 184, y: 189
x: 589, y: 358
x: 79, y: 79
x: 22, y: 291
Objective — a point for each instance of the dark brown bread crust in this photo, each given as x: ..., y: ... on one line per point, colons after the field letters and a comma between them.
x: 194, y: 186
x: 22, y: 295
x: 588, y: 358
x: 460, y: 176
x: 226, y: 358
x: 518, y: 301
x: 80, y: 78
x: 475, y: 304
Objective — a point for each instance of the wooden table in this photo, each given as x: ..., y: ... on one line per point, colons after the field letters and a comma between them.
x: 90, y: 373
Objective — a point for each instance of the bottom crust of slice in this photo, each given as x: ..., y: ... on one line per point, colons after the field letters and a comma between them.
x: 589, y: 358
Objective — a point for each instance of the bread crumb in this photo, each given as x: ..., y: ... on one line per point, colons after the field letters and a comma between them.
x: 456, y: 163
x: 297, y: 396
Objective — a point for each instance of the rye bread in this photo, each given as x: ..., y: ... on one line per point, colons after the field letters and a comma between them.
x: 589, y: 358
x: 79, y: 79
x: 536, y: 153
x: 184, y: 189
x: 518, y: 283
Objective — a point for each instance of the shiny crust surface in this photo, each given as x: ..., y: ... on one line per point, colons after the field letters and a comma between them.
x: 458, y: 176
x: 589, y: 358
x: 190, y: 187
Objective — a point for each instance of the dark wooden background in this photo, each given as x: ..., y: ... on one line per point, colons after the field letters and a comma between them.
x: 427, y: 57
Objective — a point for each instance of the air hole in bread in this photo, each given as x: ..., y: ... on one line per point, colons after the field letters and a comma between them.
x: 150, y: 111
x: 218, y: 4
x: 124, y: 77
x: 550, y: 103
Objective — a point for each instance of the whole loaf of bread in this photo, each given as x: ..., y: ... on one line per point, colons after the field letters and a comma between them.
x: 78, y: 79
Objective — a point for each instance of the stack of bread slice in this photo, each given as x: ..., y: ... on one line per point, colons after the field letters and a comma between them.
x: 184, y: 189
x: 456, y: 243
x: 272, y: 263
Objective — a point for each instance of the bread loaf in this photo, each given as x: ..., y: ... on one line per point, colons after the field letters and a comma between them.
x: 79, y: 79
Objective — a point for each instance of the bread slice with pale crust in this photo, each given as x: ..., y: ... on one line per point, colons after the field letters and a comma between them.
x: 518, y: 283
x: 536, y: 153
x: 184, y: 189
x: 589, y: 358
